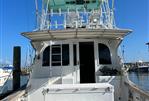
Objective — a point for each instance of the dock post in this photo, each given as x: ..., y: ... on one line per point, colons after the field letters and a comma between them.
x: 16, y: 69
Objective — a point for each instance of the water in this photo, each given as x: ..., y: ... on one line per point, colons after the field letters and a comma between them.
x: 9, y: 83
x: 140, y: 79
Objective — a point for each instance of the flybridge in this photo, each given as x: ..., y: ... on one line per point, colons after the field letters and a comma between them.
x: 74, y: 14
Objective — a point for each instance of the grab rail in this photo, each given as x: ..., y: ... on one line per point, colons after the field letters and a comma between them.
x: 136, y: 92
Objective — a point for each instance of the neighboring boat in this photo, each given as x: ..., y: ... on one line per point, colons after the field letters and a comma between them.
x: 4, y: 74
x: 76, y: 44
x: 141, y: 67
x: 6, y: 79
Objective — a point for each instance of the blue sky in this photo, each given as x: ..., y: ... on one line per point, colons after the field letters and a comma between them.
x: 18, y: 16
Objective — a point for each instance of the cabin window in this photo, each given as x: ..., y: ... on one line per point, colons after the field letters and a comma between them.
x: 46, y: 57
x: 65, y: 54
x: 59, y: 55
x: 56, y: 55
x: 75, y: 54
x: 104, y: 54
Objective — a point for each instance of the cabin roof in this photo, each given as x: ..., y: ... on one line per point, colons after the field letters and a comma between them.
x: 75, y: 33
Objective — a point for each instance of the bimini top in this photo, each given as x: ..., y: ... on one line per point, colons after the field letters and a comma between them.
x: 73, y: 4
x: 75, y: 34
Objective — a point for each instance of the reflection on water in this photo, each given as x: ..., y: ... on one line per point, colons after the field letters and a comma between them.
x: 140, y: 79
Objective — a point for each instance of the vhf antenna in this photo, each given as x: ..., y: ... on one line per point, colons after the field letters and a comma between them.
x: 37, y: 14
x: 123, y: 53
x: 113, y: 18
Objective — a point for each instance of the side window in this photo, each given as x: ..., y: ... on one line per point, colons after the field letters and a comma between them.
x: 59, y: 55
x: 75, y: 54
x: 56, y: 55
x: 65, y: 54
x: 104, y: 54
x: 46, y: 57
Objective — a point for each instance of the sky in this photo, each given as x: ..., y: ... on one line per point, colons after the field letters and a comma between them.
x: 17, y: 16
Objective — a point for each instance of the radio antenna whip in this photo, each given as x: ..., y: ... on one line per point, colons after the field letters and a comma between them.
x: 37, y: 16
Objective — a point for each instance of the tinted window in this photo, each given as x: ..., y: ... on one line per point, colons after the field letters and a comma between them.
x: 56, y: 55
x: 65, y: 54
x: 46, y: 57
x: 56, y: 63
x: 59, y: 55
x: 56, y: 49
x: 56, y: 58
x: 75, y: 55
x: 79, y: 1
x: 104, y: 54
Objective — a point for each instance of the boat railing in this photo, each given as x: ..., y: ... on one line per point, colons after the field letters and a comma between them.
x: 61, y: 20
x: 135, y: 93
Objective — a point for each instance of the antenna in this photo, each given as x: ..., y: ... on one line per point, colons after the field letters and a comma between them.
x: 113, y: 5
x: 37, y: 17
x: 123, y: 53
x: 112, y: 18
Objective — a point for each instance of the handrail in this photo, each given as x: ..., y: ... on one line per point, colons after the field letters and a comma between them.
x: 135, y: 88
x: 98, y: 20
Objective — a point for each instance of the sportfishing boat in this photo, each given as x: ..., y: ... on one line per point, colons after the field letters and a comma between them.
x: 76, y: 44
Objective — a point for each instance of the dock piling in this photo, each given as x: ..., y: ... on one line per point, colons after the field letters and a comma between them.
x: 16, y: 69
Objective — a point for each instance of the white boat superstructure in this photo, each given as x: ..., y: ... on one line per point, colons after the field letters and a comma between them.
x: 76, y: 44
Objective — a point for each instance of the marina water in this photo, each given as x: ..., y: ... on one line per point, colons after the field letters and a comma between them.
x: 141, y: 79
x: 9, y: 83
